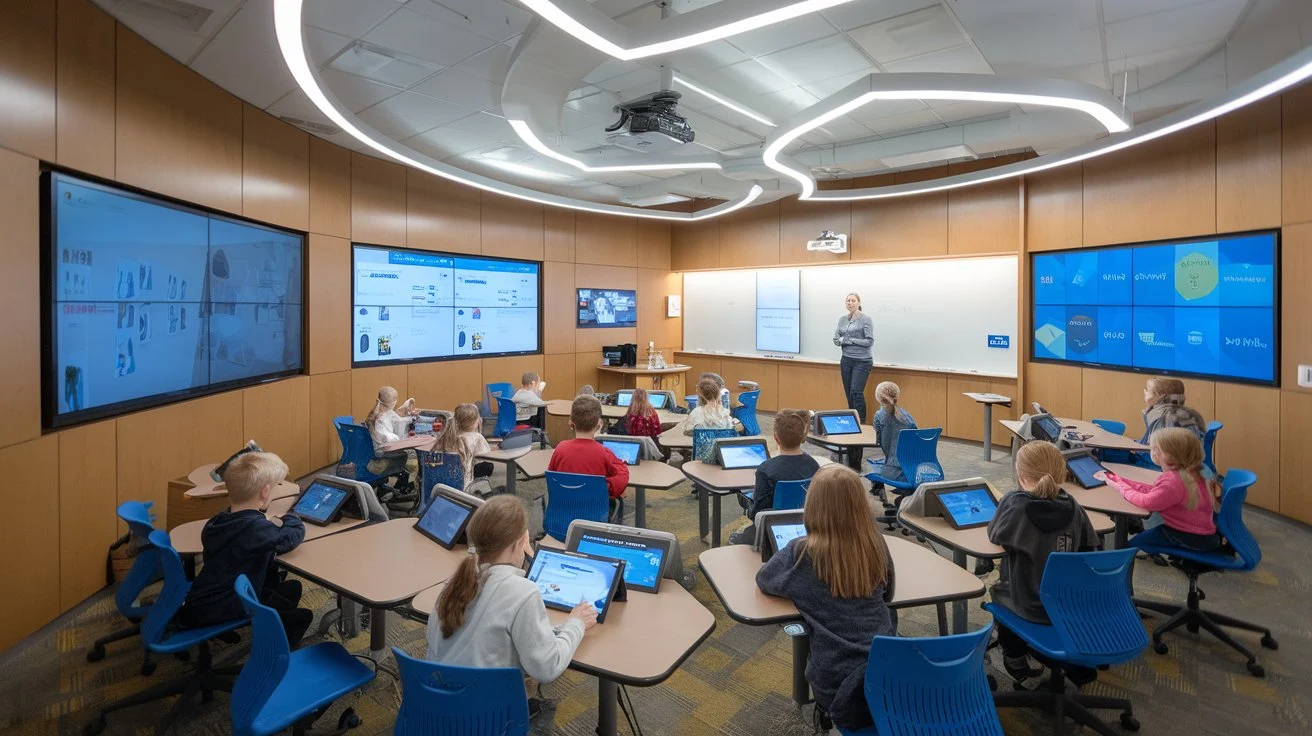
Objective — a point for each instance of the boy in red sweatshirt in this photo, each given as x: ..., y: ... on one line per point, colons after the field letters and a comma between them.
x: 585, y: 455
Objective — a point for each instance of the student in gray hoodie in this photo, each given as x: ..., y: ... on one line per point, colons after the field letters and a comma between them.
x: 1163, y: 400
x: 1031, y: 524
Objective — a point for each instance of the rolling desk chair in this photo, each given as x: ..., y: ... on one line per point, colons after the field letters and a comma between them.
x: 471, y: 701
x: 1209, y: 445
x: 790, y: 494
x: 573, y: 496
x: 746, y: 413
x: 703, y: 442
x: 145, y: 571
x: 917, y: 454
x: 493, y: 391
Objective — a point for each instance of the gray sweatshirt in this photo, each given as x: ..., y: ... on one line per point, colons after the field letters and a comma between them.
x: 506, y: 625
x: 856, y: 336
x: 1028, y: 529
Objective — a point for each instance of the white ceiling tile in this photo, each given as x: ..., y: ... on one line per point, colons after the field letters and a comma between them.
x: 749, y: 78
x: 408, y: 113
x: 789, y: 101
x: 461, y: 88
x: 593, y: 101
x: 491, y: 64
x: 244, y: 58
x: 444, y: 141
x: 816, y: 60
x: 649, y: 79
x: 863, y: 12
x: 713, y: 55
x: 609, y: 69
x: 703, y: 124
x: 494, y: 19
x: 782, y: 35
x: 1189, y: 26
x: 382, y: 65
x: 492, y: 126
x: 913, y: 34
x: 843, y: 129
x: 960, y: 60
x: 572, y: 120
x: 904, y: 122
x: 826, y: 87
x: 885, y: 109
x: 422, y: 36
x: 356, y: 93
x: 323, y: 45
x: 959, y: 111
x: 352, y: 18
x: 1115, y: 11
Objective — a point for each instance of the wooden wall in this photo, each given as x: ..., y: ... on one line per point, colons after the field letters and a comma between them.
x: 97, y: 98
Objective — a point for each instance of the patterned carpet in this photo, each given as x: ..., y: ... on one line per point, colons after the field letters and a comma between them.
x: 737, y: 683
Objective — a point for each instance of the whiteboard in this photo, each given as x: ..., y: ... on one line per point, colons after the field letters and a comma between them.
x: 932, y: 315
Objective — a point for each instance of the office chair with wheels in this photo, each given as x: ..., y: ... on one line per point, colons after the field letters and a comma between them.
x: 493, y: 390
x: 144, y: 571
x: 1113, y: 456
x: 573, y: 496
x: 1241, y: 554
x: 159, y: 635
x: 917, y: 454
x: 1093, y: 624
x: 278, y: 688
x: 1209, y: 445
x: 746, y: 413
x: 703, y: 442
x: 470, y: 701
x: 790, y: 494
x: 439, y: 467
x: 358, y: 450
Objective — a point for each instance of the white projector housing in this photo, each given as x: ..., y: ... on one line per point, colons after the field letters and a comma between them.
x: 829, y: 241
x: 648, y: 142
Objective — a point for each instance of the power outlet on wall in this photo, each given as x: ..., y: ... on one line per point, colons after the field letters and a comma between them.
x: 1305, y: 376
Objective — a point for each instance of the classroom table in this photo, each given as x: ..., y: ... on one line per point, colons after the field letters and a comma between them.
x: 186, y: 537
x: 644, y: 475
x: 1108, y: 500
x: 510, y: 459
x: 424, y: 442
x: 987, y: 401
x: 644, y: 377
x: 643, y: 641
x: 1095, y: 436
x: 713, y: 480
x: 197, y: 496
x: 610, y: 412
x: 850, y: 447
x: 922, y: 578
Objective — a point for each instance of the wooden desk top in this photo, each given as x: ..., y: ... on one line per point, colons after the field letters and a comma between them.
x: 647, y: 474
x: 1098, y: 437
x: 204, y: 486
x: 1107, y: 498
x: 987, y: 398
x: 717, y: 478
x: 505, y: 456
x: 414, y: 442
x: 867, y: 438
x: 561, y: 407
x: 636, y: 370
x: 975, y: 542
x: 186, y: 537
x: 923, y: 577
x: 380, y: 565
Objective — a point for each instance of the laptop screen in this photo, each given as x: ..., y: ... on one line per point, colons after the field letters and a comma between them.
x: 642, y: 563
x: 736, y: 457
x: 319, y: 502
x: 658, y: 400
x: 1083, y: 467
x: 565, y: 579
x: 624, y: 398
x: 839, y: 424
x: 444, y: 519
x: 969, y: 506
x: 627, y: 451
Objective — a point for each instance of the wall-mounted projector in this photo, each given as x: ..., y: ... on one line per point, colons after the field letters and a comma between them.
x: 650, y: 123
x: 829, y: 241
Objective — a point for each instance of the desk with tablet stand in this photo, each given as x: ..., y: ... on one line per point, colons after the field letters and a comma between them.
x: 713, y: 483
x: 850, y: 447
x: 644, y: 475
x: 186, y: 538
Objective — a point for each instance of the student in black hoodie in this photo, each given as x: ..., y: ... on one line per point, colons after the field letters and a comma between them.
x: 1031, y: 524
x: 240, y: 540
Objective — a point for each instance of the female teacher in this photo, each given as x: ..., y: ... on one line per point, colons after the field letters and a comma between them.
x: 856, y: 335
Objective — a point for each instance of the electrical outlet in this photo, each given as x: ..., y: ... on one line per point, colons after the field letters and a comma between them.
x: 1305, y: 376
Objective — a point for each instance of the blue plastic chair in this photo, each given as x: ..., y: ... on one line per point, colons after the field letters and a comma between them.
x: 144, y: 572
x: 439, y: 467
x: 1241, y: 555
x: 917, y: 453
x: 160, y: 636
x: 460, y: 701
x: 1110, y: 425
x: 279, y: 688
x: 358, y: 449
x: 1113, y: 456
x: 691, y: 401
x: 505, y: 417
x: 493, y: 390
x: 703, y: 442
x: 1209, y: 444
x: 790, y: 494
x: 747, y: 412
x: 930, y: 686
x: 1093, y: 623
x: 573, y: 496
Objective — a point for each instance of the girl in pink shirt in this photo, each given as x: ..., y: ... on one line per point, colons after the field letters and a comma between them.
x: 1180, y: 496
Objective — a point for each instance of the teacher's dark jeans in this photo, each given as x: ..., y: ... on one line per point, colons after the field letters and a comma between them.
x: 856, y: 371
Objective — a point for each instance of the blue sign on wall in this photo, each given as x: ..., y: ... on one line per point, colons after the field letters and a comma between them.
x: 999, y: 341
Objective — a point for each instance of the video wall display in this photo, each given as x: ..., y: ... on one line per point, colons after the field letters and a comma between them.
x: 1204, y: 307
x: 412, y: 305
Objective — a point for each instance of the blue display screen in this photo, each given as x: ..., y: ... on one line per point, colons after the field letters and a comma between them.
x: 627, y: 451
x: 444, y: 518
x: 565, y: 580
x: 839, y: 424
x: 972, y: 507
x: 736, y: 457
x: 319, y: 502
x: 1205, y: 307
x: 642, y: 564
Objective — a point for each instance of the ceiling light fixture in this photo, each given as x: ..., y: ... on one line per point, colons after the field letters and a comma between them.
x: 726, y: 18
x: 288, y: 26
x: 723, y: 101
x: 530, y: 138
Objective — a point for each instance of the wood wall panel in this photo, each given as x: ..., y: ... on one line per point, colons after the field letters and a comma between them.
x: 31, y: 569
x: 653, y: 326
x: 901, y: 227
x: 586, y: 374
x: 84, y: 110
x: 512, y: 228
x: 328, y: 310
x: 965, y: 415
x: 1296, y: 155
x: 1295, y: 303
x: 800, y: 222
x: 1054, y: 209
x: 444, y: 384
x: 330, y: 188
x: 378, y: 201
x: 985, y: 218
x: 275, y: 170
x: 765, y: 373
x: 442, y: 215
x: 699, y: 363
x: 558, y: 224
x: 605, y: 240
x: 158, y: 445
x: 177, y: 133
x: 1119, y: 395
x: 1251, y: 437
x: 808, y: 386
x: 277, y: 416
x: 1058, y: 387
x: 1295, y: 460
x: 558, y: 371
x: 586, y: 276
x: 511, y: 368
x: 695, y: 247
x: 653, y: 244
x: 27, y: 79
x: 20, y: 301
x: 1248, y: 168
x: 559, y: 307
x: 365, y: 383
x: 330, y: 397
x: 87, y: 500
x: 749, y: 238
x: 1162, y: 189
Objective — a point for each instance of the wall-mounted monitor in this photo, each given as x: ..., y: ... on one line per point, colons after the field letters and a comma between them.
x: 1206, y: 307
x: 416, y: 305
x: 608, y: 308
x: 149, y: 302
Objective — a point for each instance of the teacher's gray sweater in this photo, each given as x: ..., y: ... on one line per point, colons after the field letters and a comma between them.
x: 856, y: 336
x: 506, y: 625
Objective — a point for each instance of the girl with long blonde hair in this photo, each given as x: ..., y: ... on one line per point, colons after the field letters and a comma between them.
x: 1181, y: 496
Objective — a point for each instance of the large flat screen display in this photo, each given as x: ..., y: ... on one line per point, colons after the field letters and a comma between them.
x: 1206, y: 307
x: 608, y: 308
x: 150, y: 302
x: 779, y: 310
x: 414, y: 305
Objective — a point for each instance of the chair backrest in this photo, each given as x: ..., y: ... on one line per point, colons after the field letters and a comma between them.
x: 439, y: 467
x: 929, y: 686
x: 1087, y: 597
x: 1111, y: 425
x: 494, y: 390
x: 459, y: 701
x: 1230, y: 519
x: 145, y: 568
x: 505, y: 416
x: 265, y: 667
x: 573, y: 496
x: 518, y: 438
x: 358, y: 449
x: 747, y: 412
x: 703, y: 442
x: 154, y: 626
x: 790, y: 494
x: 917, y: 453
x: 691, y: 401
x: 1209, y: 443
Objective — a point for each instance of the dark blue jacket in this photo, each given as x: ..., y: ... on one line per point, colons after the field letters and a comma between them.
x: 235, y: 543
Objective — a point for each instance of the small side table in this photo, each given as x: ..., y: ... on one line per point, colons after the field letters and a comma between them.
x: 988, y: 400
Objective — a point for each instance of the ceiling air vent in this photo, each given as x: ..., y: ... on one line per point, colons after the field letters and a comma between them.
x: 171, y: 13
x: 312, y: 127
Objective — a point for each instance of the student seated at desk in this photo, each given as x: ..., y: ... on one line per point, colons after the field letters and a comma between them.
x: 1164, y: 407
x: 528, y: 400
x: 790, y: 464
x: 1181, y: 497
x: 1029, y: 525
x: 709, y: 413
x: 490, y: 615
x: 241, y: 540
x: 585, y: 455
x: 840, y: 577
x: 465, y: 439
x: 388, y: 422
x: 889, y: 422
x: 641, y: 420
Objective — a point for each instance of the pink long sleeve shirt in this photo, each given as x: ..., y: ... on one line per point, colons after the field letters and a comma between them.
x: 1169, y: 498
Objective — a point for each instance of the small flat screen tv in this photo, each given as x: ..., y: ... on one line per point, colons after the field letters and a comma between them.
x: 1206, y: 307
x: 608, y: 308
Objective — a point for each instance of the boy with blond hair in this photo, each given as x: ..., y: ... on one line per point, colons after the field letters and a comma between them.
x: 241, y: 540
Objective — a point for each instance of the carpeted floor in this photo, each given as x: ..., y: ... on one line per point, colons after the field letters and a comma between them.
x: 737, y: 683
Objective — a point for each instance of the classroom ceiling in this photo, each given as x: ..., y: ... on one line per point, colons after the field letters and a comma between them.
x: 439, y: 76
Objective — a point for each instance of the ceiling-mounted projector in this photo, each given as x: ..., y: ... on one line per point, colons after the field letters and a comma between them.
x: 829, y: 241
x: 650, y: 123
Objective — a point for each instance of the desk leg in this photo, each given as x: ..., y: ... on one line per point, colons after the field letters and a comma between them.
x: 377, y: 631
x: 702, y: 514
x: 942, y: 619
x: 801, y: 688
x: 1121, y: 538
x: 512, y: 470
x: 715, y: 521
x: 959, y: 607
x: 988, y: 432
x: 607, y: 699
x: 640, y: 507
x: 853, y: 457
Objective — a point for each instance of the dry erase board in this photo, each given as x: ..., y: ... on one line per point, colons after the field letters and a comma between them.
x: 942, y: 315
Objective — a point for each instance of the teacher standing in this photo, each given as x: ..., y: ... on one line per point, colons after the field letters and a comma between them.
x: 856, y: 335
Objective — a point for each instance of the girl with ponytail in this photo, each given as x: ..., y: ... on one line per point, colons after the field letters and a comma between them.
x: 1181, y: 496
x: 490, y: 615
x: 388, y: 422
x: 1031, y: 524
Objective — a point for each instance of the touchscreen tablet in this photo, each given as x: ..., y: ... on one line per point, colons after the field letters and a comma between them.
x: 736, y: 457
x: 1083, y: 467
x: 967, y: 508
x: 782, y: 534
x: 629, y: 452
x: 566, y: 578
x: 1045, y: 427
x: 839, y: 424
x: 623, y: 398
x: 320, y: 503
x: 642, y: 562
x: 658, y: 400
x: 444, y: 520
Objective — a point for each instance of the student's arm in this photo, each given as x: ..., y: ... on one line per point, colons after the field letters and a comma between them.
x: 867, y: 337
x: 285, y: 538
x: 1123, y: 483
x: 762, y: 494
x: 544, y: 652
x: 530, y: 398
x: 773, y: 576
x: 1166, y: 493
x: 1002, y: 529
x: 617, y: 475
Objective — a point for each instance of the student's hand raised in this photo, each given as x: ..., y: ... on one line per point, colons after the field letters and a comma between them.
x: 585, y: 613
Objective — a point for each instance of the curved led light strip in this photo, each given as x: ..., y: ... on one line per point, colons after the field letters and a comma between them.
x: 287, y: 24
x: 915, y: 86
x: 596, y: 29
x: 680, y: 79
x: 530, y: 138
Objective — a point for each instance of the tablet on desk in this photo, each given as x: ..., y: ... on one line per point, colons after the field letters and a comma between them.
x: 839, y: 422
x: 630, y: 451
x: 775, y: 529
x: 1045, y: 427
x: 321, y: 503
x: 566, y: 578
x: 782, y: 534
x: 966, y: 507
x: 445, y: 519
x: 624, y: 397
x: 738, y: 454
x: 658, y: 401
x: 1083, y: 465
x: 643, y: 559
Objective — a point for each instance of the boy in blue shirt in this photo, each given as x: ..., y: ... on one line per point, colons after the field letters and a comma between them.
x: 790, y: 464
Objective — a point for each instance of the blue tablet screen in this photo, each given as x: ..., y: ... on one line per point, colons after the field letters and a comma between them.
x: 658, y: 400
x: 734, y: 457
x: 626, y: 451
x: 782, y: 534
x: 319, y: 502
x: 565, y: 580
x: 444, y: 518
x: 642, y: 564
x: 973, y: 506
x: 839, y: 424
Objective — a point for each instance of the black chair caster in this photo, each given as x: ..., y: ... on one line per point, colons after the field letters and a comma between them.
x: 1129, y: 722
x: 148, y: 668
x: 348, y: 720
x: 1256, y: 670
x: 95, y: 654
x: 94, y: 727
x: 1160, y: 648
x: 1269, y: 642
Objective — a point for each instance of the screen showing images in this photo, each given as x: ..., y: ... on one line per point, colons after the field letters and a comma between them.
x: 734, y: 457
x: 642, y: 563
x: 973, y: 507
x: 629, y: 452
x: 565, y: 580
x: 1084, y: 468
x: 444, y: 519
x: 779, y: 310
x: 608, y: 308
x: 1199, y: 307
x: 840, y: 424
x: 782, y: 534
x: 319, y: 502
